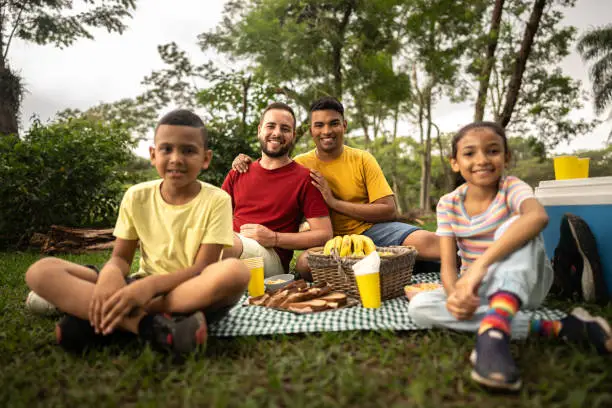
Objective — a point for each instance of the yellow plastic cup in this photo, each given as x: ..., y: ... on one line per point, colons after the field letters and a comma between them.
x: 369, y: 289
x: 583, y: 166
x: 256, y: 283
x: 567, y: 167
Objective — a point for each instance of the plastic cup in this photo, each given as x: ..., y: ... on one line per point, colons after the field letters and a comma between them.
x: 583, y: 166
x: 567, y: 167
x: 369, y: 289
x: 256, y: 283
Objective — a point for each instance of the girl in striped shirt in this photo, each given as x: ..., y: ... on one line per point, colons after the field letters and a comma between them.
x: 494, y: 222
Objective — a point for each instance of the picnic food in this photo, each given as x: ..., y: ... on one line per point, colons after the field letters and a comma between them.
x: 275, y: 281
x: 300, y: 298
x: 349, y: 245
x: 412, y: 290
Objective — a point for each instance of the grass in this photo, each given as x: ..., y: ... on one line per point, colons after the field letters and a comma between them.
x: 369, y: 369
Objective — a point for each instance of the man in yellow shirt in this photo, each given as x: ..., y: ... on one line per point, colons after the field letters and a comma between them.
x: 353, y: 186
x: 181, y: 226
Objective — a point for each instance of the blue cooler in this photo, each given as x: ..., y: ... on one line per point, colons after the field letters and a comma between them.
x: 590, y: 199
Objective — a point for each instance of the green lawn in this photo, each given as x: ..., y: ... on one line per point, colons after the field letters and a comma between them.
x: 369, y: 369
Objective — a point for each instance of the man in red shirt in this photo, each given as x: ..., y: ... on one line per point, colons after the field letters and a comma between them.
x: 271, y: 199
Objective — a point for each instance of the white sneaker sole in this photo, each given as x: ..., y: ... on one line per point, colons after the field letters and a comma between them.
x: 487, y: 382
x: 584, y: 315
x: 587, y: 279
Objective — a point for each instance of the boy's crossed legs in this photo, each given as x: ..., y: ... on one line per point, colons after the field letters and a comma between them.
x: 70, y: 287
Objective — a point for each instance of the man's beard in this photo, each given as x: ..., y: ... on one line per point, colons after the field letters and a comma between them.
x: 285, y: 150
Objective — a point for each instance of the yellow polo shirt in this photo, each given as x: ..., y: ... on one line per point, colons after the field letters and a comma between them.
x: 354, y: 176
x: 170, y: 235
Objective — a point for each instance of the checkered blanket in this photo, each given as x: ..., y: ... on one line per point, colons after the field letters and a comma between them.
x: 248, y: 320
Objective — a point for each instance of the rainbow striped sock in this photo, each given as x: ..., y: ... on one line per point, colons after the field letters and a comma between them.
x: 502, y: 308
x: 545, y: 328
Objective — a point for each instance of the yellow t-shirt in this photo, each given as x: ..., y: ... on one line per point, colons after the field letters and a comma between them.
x: 356, y: 177
x: 170, y: 235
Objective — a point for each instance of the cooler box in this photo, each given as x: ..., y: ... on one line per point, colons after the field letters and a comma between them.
x: 589, y: 198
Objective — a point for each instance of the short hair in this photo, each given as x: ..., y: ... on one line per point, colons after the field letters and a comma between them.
x: 184, y: 117
x: 327, y: 103
x: 279, y: 106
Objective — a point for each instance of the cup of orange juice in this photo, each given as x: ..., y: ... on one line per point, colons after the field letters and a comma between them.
x: 256, y: 283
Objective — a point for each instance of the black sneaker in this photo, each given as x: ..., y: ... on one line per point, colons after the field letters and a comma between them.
x: 75, y: 334
x: 494, y: 366
x: 180, y: 336
x: 581, y: 328
x: 576, y: 262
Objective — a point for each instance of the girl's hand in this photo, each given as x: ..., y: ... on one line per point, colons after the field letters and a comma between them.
x: 465, y: 300
x: 461, y: 309
x: 135, y: 295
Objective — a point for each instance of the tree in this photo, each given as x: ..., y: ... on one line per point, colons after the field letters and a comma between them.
x: 437, y: 33
x: 132, y: 114
x: 489, y: 60
x: 49, y: 22
x: 307, y: 49
x: 229, y: 101
x: 595, y: 46
x: 527, y: 91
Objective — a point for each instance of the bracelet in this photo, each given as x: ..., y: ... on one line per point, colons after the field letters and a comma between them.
x: 275, y: 238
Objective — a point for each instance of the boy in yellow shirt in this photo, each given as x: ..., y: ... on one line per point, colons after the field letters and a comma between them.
x: 181, y: 225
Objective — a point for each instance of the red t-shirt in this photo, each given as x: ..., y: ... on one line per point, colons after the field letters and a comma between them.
x: 276, y: 199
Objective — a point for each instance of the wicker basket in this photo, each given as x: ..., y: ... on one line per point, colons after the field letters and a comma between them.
x: 395, y: 270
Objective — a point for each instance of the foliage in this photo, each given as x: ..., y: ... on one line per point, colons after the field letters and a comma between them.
x: 63, y: 173
x: 546, y: 96
x: 134, y: 116
x: 344, y: 48
x: 595, y: 46
x: 229, y: 102
x: 53, y: 22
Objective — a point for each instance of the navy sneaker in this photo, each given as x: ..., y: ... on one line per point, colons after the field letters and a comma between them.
x: 180, y: 336
x: 581, y: 328
x: 494, y: 366
x: 576, y: 263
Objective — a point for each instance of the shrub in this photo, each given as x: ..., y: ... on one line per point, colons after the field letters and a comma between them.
x: 64, y: 173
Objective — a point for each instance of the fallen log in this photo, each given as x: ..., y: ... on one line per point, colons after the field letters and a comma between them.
x: 62, y: 239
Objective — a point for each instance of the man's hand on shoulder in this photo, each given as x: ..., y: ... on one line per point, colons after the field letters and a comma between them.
x: 241, y: 163
x: 321, y: 184
x: 265, y: 236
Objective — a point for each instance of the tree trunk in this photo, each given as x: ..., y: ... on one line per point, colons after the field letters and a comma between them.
x: 521, y: 61
x: 246, y: 84
x: 485, y: 75
x: 448, y: 175
x: 425, y: 198
x: 394, y: 177
x: 337, y: 49
x: 10, y: 98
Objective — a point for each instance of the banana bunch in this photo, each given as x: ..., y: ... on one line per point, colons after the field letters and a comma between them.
x: 349, y: 245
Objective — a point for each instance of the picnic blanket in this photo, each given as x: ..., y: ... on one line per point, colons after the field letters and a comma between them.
x: 249, y: 320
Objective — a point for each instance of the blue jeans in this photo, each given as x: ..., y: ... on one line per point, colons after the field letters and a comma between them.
x: 526, y: 272
x: 389, y: 233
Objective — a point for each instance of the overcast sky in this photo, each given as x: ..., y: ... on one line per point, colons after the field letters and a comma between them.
x: 112, y: 66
